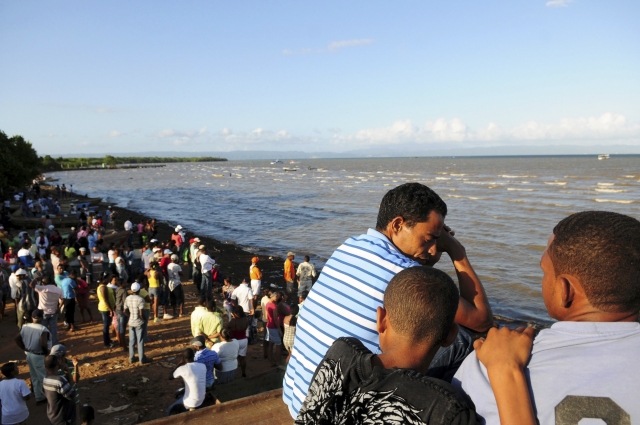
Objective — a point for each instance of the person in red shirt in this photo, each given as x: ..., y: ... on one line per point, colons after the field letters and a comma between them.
x: 11, y: 257
x: 165, y: 261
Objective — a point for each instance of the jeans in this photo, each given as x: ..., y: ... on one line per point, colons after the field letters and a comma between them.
x: 135, y: 337
x: 176, y: 403
x: 37, y: 374
x: 447, y: 360
x: 290, y: 287
x: 145, y: 326
x: 206, y: 288
x: 122, y: 322
x: 106, y: 324
x: 305, y: 285
x: 50, y: 321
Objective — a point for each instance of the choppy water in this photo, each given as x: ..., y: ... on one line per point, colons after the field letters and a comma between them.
x: 503, y: 209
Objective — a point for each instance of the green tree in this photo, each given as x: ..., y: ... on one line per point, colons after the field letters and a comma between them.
x: 111, y: 161
x: 20, y: 162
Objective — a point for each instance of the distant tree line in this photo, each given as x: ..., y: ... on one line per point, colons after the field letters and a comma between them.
x: 51, y: 164
x: 20, y: 163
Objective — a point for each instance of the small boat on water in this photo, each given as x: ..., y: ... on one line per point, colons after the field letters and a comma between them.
x: 277, y: 161
x: 312, y: 168
x: 603, y: 156
x: 289, y: 169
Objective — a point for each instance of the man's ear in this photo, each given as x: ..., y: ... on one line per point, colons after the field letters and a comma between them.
x: 451, y: 336
x: 567, y: 290
x: 395, y: 225
x: 382, y: 320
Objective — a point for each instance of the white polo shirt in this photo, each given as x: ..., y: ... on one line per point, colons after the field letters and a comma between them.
x: 244, y: 295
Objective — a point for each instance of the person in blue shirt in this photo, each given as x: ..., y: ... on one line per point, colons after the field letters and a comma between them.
x: 410, y: 231
x: 68, y: 286
x: 207, y: 357
x: 92, y: 239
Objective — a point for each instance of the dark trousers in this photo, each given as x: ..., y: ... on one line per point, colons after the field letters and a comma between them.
x: 70, y: 310
x: 106, y: 327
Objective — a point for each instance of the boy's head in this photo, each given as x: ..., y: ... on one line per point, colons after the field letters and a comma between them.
x: 420, y: 304
x: 9, y: 370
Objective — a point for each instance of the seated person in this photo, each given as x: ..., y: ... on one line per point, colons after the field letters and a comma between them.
x: 584, y: 365
x: 352, y: 385
x: 194, y: 377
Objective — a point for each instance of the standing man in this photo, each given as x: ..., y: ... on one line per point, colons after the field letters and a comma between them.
x: 306, y: 273
x: 256, y: 279
x: 206, y: 263
x: 289, y: 271
x: 34, y: 339
x: 128, y: 227
x: 176, y: 294
x: 61, y: 397
x: 243, y: 296
x: 68, y: 286
x: 49, y: 299
x: 409, y: 232
x: 133, y: 306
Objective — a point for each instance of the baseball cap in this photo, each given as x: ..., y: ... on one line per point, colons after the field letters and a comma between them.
x: 174, y: 257
x: 201, y: 247
x: 255, y: 259
x: 196, y: 239
x: 192, y: 240
x: 58, y: 350
x: 289, y: 254
x: 156, y: 249
x: 167, y: 251
x: 197, y: 341
x: 178, y: 227
x: 21, y: 272
x: 51, y: 227
x: 153, y: 241
x: 135, y: 286
x: 83, y: 249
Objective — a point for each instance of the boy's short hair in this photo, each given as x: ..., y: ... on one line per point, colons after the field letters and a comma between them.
x: 8, y: 368
x: 602, y: 249
x: 421, y: 303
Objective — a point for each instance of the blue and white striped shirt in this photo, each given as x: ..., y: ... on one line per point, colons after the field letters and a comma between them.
x: 343, y: 302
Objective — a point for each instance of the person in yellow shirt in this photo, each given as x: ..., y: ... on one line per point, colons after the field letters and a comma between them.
x: 256, y: 279
x: 289, y: 271
x: 205, y: 322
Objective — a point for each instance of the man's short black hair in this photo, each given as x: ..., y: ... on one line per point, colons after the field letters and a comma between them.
x: 188, y: 354
x: 411, y: 201
x: 421, y: 303
x: 602, y: 249
x: 203, y: 301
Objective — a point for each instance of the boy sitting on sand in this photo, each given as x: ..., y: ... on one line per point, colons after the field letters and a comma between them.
x: 354, y: 386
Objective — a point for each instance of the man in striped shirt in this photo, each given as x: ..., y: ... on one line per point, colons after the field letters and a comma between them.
x: 410, y: 231
x: 61, y: 406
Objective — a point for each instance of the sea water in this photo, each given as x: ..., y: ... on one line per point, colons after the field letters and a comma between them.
x: 502, y: 209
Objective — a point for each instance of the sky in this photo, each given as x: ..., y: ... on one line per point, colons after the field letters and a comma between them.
x: 82, y: 77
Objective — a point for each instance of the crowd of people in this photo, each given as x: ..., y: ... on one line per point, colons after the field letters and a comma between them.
x: 379, y: 336
x: 50, y: 281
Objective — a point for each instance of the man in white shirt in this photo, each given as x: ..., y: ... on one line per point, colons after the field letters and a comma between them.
x: 174, y: 272
x: 206, y: 263
x: 243, y: 296
x: 194, y: 377
x: 25, y: 256
x: 128, y: 225
x: 305, y: 273
x: 49, y: 300
x: 584, y: 366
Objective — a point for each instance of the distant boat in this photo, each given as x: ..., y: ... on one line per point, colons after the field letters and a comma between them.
x: 277, y: 161
x: 603, y: 156
x: 292, y: 162
x: 289, y: 169
x: 312, y: 168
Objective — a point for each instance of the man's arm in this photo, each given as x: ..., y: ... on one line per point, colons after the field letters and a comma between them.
x: 20, y: 342
x: 44, y: 339
x: 76, y: 368
x: 474, y: 311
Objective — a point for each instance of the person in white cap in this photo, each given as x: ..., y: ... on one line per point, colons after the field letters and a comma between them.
x: 133, y: 308
x: 178, y: 237
x: 176, y: 294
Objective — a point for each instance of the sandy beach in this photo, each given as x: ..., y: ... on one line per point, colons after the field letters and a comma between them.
x: 107, y: 378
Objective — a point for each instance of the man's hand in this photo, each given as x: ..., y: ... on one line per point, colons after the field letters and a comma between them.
x: 74, y: 360
x: 505, y: 348
x: 449, y: 244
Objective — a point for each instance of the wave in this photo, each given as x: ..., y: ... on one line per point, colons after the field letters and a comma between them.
x: 556, y: 183
x: 520, y: 190
x: 510, y: 176
x: 610, y: 190
x: 606, y: 184
x: 443, y: 178
x: 615, y: 201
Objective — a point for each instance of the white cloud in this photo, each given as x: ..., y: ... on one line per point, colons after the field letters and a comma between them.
x: 558, y: 3
x: 115, y: 133
x: 226, y: 131
x: 331, y: 47
x: 605, y: 127
x: 348, y: 43
x: 181, y: 138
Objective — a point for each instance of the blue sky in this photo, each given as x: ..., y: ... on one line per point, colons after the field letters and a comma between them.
x: 122, y: 76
